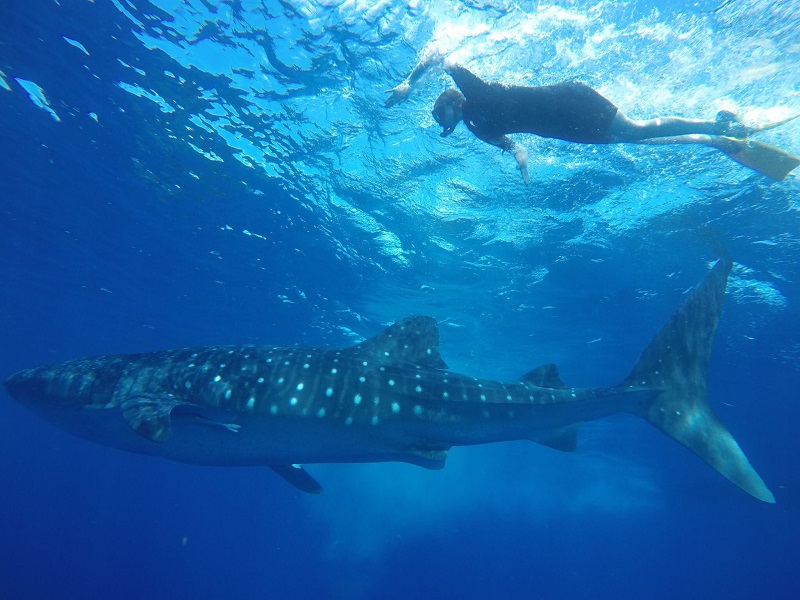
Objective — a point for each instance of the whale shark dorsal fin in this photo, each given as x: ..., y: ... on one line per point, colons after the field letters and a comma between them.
x: 149, y: 415
x: 413, y: 340
x: 298, y: 477
x: 545, y: 376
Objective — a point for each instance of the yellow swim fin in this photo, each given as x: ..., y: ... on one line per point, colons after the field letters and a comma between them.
x: 763, y: 158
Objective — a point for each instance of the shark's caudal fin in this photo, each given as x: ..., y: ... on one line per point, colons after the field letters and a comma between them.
x: 675, y: 363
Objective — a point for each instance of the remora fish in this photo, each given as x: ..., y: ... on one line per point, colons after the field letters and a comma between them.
x: 386, y: 399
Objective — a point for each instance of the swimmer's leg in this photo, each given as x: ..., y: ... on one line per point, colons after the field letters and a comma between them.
x: 762, y: 158
x: 624, y: 129
x: 725, y: 124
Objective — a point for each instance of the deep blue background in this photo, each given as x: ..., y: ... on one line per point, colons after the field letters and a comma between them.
x: 110, y: 242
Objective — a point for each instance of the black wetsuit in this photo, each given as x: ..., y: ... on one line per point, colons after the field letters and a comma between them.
x: 568, y: 111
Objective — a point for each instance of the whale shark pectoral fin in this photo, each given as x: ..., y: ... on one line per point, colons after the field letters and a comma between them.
x: 149, y: 415
x: 430, y: 458
x: 205, y: 417
x: 564, y: 439
x: 298, y: 477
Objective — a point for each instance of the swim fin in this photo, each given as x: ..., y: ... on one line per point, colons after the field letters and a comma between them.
x: 763, y: 158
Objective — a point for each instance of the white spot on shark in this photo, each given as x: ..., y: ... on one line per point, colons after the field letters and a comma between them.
x: 300, y: 386
x: 357, y: 399
x: 321, y: 413
x: 348, y: 421
x: 273, y: 409
x: 376, y: 400
x: 293, y: 401
x: 391, y: 382
x: 364, y: 363
x: 251, y: 402
x: 187, y: 384
x: 260, y: 380
x: 228, y: 394
x: 445, y: 395
x: 362, y: 379
x: 418, y: 389
x: 305, y: 366
x: 329, y: 392
x: 395, y: 407
x: 217, y: 378
x: 418, y: 410
x: 375, y: 420
x: 334, y: 371
x: 280, y: 380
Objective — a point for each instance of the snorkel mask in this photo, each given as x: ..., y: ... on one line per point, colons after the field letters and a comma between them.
x: 447, y: 110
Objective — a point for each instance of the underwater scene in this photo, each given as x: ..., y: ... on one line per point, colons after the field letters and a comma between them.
x: 399, y: 299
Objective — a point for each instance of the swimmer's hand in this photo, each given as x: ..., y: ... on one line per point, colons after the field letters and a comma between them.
x: 522, y: 162
x: 398, y: 94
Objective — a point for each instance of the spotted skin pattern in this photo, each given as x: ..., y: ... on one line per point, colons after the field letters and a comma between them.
x: 390, y: 398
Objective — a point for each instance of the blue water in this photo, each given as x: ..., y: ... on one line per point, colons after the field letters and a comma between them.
x: 188, y: 172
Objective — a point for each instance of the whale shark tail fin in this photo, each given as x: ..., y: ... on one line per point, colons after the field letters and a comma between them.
x: 675, y: 366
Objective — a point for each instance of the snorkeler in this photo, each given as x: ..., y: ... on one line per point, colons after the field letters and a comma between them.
x: 574, y: 112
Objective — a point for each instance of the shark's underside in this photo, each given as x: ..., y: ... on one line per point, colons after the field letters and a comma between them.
x: 389, y: 398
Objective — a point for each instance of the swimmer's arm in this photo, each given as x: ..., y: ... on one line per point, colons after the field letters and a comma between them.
x: 508, y: 145
x: 401, y: 92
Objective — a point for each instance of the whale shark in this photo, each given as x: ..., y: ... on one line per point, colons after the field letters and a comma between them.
x: 389, y: 398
